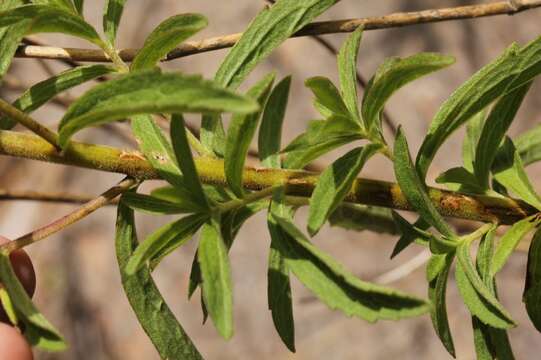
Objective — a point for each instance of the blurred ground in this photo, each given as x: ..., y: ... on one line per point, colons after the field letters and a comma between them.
x: 78, y: 282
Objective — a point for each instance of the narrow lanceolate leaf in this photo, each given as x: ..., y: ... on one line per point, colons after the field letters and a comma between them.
x: 509, y: 171
x: 516, y: 67
x: 327, y: 97
x: 185, y: 160
x: 173, y: 234
x: 278, y: 282
x: 165, y: 37
x: 437, y: 273
x: 112, y: 13
x: 154, y: 205
x: 338, y: 288
x: 477, y: 296
x: 391, y: 76
x: 334, y: 184
x: 532, y: 288
x: 529, y: 145
x: 9, y: 43
x: 41, y: 17
x: 270, y: 130
x: 149, y: 92
x: 510, y: 240
x: 42, y: 92
x: 414, y: 188
x: 79, y: 5
x: 266, y: 32
x: 474, y: 127
x: 459, y: 179
x: 364, y: 217
x: 347, y: 69
x: 410, y: 233
x: 161, y: 326
x: 216, y: 276
x: 496, y: 126
x: 62, y: 4
x: 240, y: 134
x: 37, y: 329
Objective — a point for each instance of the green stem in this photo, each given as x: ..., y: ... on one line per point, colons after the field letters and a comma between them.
x: 249, y: 198
x: 29, y: 123
x: 300, y: 183
x: 477, y: 233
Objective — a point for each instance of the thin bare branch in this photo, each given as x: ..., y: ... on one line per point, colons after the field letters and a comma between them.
x: 317, y: 28
x: 52, y: 197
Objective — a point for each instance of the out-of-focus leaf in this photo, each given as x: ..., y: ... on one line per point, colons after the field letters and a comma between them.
x: 496, y: 126
x: 156, y: 205
x: 79, y: 5
x: 347, y: 69
x: 414, y: 188
x: 532, y: 288
x: 510, y: 240
x: 149, y: 92
x: 165, y: 37
x: 529, y: 145
x: 327, y: 96
x: 334, y: 184
x: 163, y: 329
x: 44, y: 91
x: 67, y: 5
x: 393, y: 74
x: 175, y: 233
x: 216, y: 276
x: 38, y: 331
x: 270, y: 130
x: 362, y: 217
x: 112, y: 13
x: 509, y: 171
x: 336, y: 287
x: 240, y: 134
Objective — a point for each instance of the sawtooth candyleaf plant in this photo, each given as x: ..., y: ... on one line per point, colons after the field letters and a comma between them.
x: 213, y: 193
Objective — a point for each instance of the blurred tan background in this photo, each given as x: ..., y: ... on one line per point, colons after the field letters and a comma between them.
x: 78, y: 282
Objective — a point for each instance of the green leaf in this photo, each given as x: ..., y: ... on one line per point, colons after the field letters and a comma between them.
x: 155, y: 205
x: 474, y: 127
x: 149, y: 92
x: 393, y: 74
x: 174, y: 235
x: 266, y: 32
x: 79, y: 5
x: 42, y: 92
x: 216, y: 276
x: 338, y: 288
x: 38, y: 331
x: 186, y: 162
x: 347, y: 69
x: 50, y: 19
x: 165, y: 37
x: 511, y: 70
x: 334, y: 184
x: 410, y: 233
x: 9, y: 42
x: 278, y: 286
x: 363, y: 217
x: 414, y: 189
x: 483, y: 304
x: 112, y: 13
x: 161, y: 326
x: 437, y: 274
x: 240, y: 134
x: 529, y: 145
x: 460, y: 179
x: 62, y: 4
x: 532, y: 288
x: 327, y: 97
x: 510, y: 241
x: 321, y: 137
x: 496, y: 126
x: 270, y: 130
x: 509, y: 171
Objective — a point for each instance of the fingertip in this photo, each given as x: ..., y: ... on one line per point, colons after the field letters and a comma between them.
x: 13, y: 345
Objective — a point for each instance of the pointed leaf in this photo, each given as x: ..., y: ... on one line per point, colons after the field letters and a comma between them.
x: 532, y: 288
x: 165, y: 37
x: 347, y: 69
x: 62, y: 4
x: 155, y: 205
x: 414, y: 188
x: 327, y: 97
x: 216, y: 276
x: 338, y: 288
x: 410, y: 233
x: 474, y: 127
x: 270, y: 130
x: 240, y: 134
x: 334, y: 184
x: 112, y: 14
x: 529, y: 145
x: 147, y: 92
x: 42, y: 92
x: 393, y: 74
x: 460, y: 179
x: 163, y: 329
